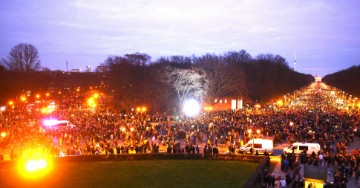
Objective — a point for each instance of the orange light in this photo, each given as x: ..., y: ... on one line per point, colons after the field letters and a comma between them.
x: 47, y: 94
x: 37, y: 96
x: 138, y: 109
x: 11, y: 103
x: 96, y: 95
x: 23, y: 98
x: 258, y: 131
x: 44, y: 110
x: 249, y: 131
x: 34, y: 164
x: 91, y: 102
x: 143, y: 109
x: 3, y: 134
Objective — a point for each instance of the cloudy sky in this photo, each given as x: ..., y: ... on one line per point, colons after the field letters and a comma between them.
x: 324, y: 34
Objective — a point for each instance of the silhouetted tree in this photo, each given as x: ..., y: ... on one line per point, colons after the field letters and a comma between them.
x: 346, y: 80
x: 23, y: 57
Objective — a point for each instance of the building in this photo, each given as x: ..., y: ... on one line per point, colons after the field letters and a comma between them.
x: 88, y: 68
x: 102, y: 68
x: 75, y: 70
x: 225, y: 103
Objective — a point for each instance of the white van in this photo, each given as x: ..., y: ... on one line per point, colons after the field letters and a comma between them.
x: 259, y: 145
x: 299, y: 147
x: 57, y: 124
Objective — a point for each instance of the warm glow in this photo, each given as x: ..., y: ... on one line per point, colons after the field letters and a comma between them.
x: 44, y: 110
x: 37, y: 96
x: 34, y: 166
x: 3, y: 134
x: 258, y: 131
x: 141, y: 109
x: 91, y: 102
x: 257, y: 106
x: 96, y: 95
x: 249, y: 131
x: 31, y: 165
x: 11, y: 103
x: 132, y: 129
x: 23, y: 98
x: 280, y: 103
x: 208, y: 108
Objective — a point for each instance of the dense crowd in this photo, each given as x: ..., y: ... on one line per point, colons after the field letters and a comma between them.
x: 102, y: 131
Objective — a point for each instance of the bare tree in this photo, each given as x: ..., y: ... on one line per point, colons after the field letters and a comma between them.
x: 223, y: 79
x: 23, y: 58
x: 186, y: 83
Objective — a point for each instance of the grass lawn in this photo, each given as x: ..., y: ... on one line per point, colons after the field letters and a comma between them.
x: 147, y: 173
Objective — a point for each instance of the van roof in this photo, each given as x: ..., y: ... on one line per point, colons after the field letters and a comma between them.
x: 305, y: 143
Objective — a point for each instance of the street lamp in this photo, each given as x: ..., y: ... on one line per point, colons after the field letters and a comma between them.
x: 3, y: 108
x: 3, y: 134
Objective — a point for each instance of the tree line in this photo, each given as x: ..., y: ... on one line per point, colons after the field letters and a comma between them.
x: 346, y: 80
x: 164, y: 84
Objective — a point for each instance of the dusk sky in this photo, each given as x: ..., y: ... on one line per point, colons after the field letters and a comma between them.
x: 324, y: 34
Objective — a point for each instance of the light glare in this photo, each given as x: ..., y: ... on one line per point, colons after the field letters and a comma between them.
x: 191, y: 107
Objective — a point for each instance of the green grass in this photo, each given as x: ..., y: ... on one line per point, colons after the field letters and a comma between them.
x: 163, y: 173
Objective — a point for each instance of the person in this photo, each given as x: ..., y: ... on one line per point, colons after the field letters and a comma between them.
x: 268, y: 161
x: 282, y: 183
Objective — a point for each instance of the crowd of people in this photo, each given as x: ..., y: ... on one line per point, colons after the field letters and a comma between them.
x: 311, y: 116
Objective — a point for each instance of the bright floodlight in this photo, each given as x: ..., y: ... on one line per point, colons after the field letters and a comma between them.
x: 50, y: 122
x: 191, y: 107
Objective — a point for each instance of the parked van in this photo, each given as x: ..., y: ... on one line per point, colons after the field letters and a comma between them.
x: 57, y: 124
x: 299, y: 147
x: 260, y: 145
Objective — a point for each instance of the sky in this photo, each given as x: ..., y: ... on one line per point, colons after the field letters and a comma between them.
x: 323, y: 35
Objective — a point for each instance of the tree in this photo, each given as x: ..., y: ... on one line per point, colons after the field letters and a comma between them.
x: 23, y: 58
x: 223, y: 79
x: 186, y: 83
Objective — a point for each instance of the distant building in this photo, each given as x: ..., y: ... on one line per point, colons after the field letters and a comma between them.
x: 226, y: 103
x: 75, y: 70
x: 88, y: 68
x: 102, y: 68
